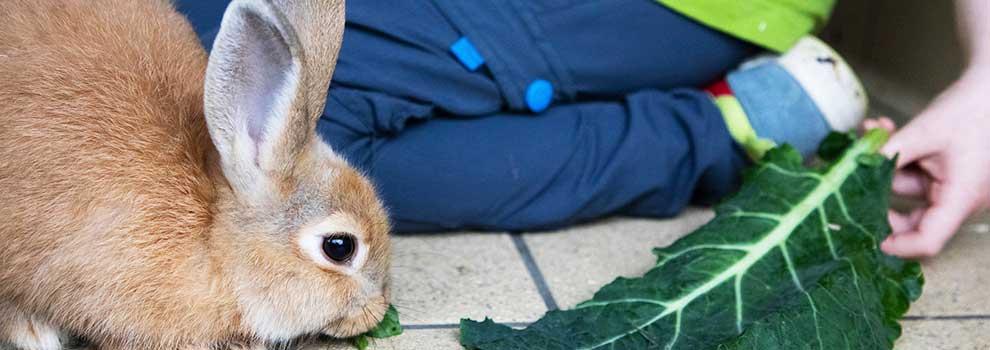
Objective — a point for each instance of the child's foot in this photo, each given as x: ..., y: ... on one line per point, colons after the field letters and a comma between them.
x: 796, y: 98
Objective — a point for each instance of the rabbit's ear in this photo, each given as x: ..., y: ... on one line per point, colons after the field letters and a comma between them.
x: 263, y: 94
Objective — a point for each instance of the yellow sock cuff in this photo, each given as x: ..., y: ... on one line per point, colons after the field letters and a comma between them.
x: 740, y: 128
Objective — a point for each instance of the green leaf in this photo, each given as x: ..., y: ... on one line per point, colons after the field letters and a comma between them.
x: 789, y: 262
x: 834, y: 145
x: 388, y: 327
x: 361, y: 342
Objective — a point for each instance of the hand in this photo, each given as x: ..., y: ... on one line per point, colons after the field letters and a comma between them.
x: 945, y: 160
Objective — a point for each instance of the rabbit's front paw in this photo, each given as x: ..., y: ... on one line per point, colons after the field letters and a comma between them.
x: 240, y: 346
x: 231, y: 346
x: 28, y: 333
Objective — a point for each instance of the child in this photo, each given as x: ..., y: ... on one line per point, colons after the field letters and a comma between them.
x: 523, y: 115
x: 526, y: 115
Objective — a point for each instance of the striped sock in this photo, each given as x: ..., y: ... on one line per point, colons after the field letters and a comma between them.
x: 737, y: 121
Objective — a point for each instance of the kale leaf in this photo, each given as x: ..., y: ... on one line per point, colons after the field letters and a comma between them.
x: 791, y: 261
x: 388, y: 327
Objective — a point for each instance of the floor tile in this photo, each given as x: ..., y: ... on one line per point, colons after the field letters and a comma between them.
x: 918, y: 335
x: 439, y: 279
x: 411, y: 339
x: 956, y: 280
x: 433, y: 339
x: 578, y: 261
x: 945, y: 335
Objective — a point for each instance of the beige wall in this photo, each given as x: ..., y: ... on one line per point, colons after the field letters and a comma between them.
x: 905, y: 50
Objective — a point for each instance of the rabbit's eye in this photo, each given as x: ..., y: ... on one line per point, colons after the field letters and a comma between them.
x: 339, y: 247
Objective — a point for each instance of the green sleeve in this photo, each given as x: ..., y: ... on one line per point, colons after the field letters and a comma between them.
x: 773, y: 24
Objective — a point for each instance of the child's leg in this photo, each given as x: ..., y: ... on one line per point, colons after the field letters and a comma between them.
x: 649, y: 153
x: 453, y: 148
x: 644, y: 155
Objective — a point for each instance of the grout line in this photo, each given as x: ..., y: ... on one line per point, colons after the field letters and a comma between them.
x: 456, y: 326
x: 430, y: 326
x: 947, y: 318
x: 524, y: 324
x: 534, y: 271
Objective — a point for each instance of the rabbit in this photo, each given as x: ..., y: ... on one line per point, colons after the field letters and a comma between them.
x: 154, y: 197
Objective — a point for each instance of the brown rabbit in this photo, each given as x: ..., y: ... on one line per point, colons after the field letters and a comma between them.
x: 137, y: 217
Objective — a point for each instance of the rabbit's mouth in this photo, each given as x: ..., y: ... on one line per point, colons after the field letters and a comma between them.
x: 360, y: 320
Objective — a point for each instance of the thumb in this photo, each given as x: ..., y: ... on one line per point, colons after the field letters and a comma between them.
x: 911, y: 143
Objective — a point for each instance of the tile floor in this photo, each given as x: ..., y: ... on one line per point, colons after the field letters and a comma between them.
x: 516, y: 278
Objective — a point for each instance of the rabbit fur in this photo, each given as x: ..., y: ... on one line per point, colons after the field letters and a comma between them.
x: 152, y: 197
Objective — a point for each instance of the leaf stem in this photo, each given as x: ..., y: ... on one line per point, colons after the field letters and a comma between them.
x: 875, y: 139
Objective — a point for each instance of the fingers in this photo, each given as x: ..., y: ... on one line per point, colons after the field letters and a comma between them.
x: 868, y: 124
x: 936, y: 226
x: 911, y: 144
x: 911, y: 183
x: 887, y: 124
x: 901, y: 223
x: 879, y: 123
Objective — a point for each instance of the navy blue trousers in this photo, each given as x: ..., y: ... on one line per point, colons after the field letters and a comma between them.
x: 627, y: 131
